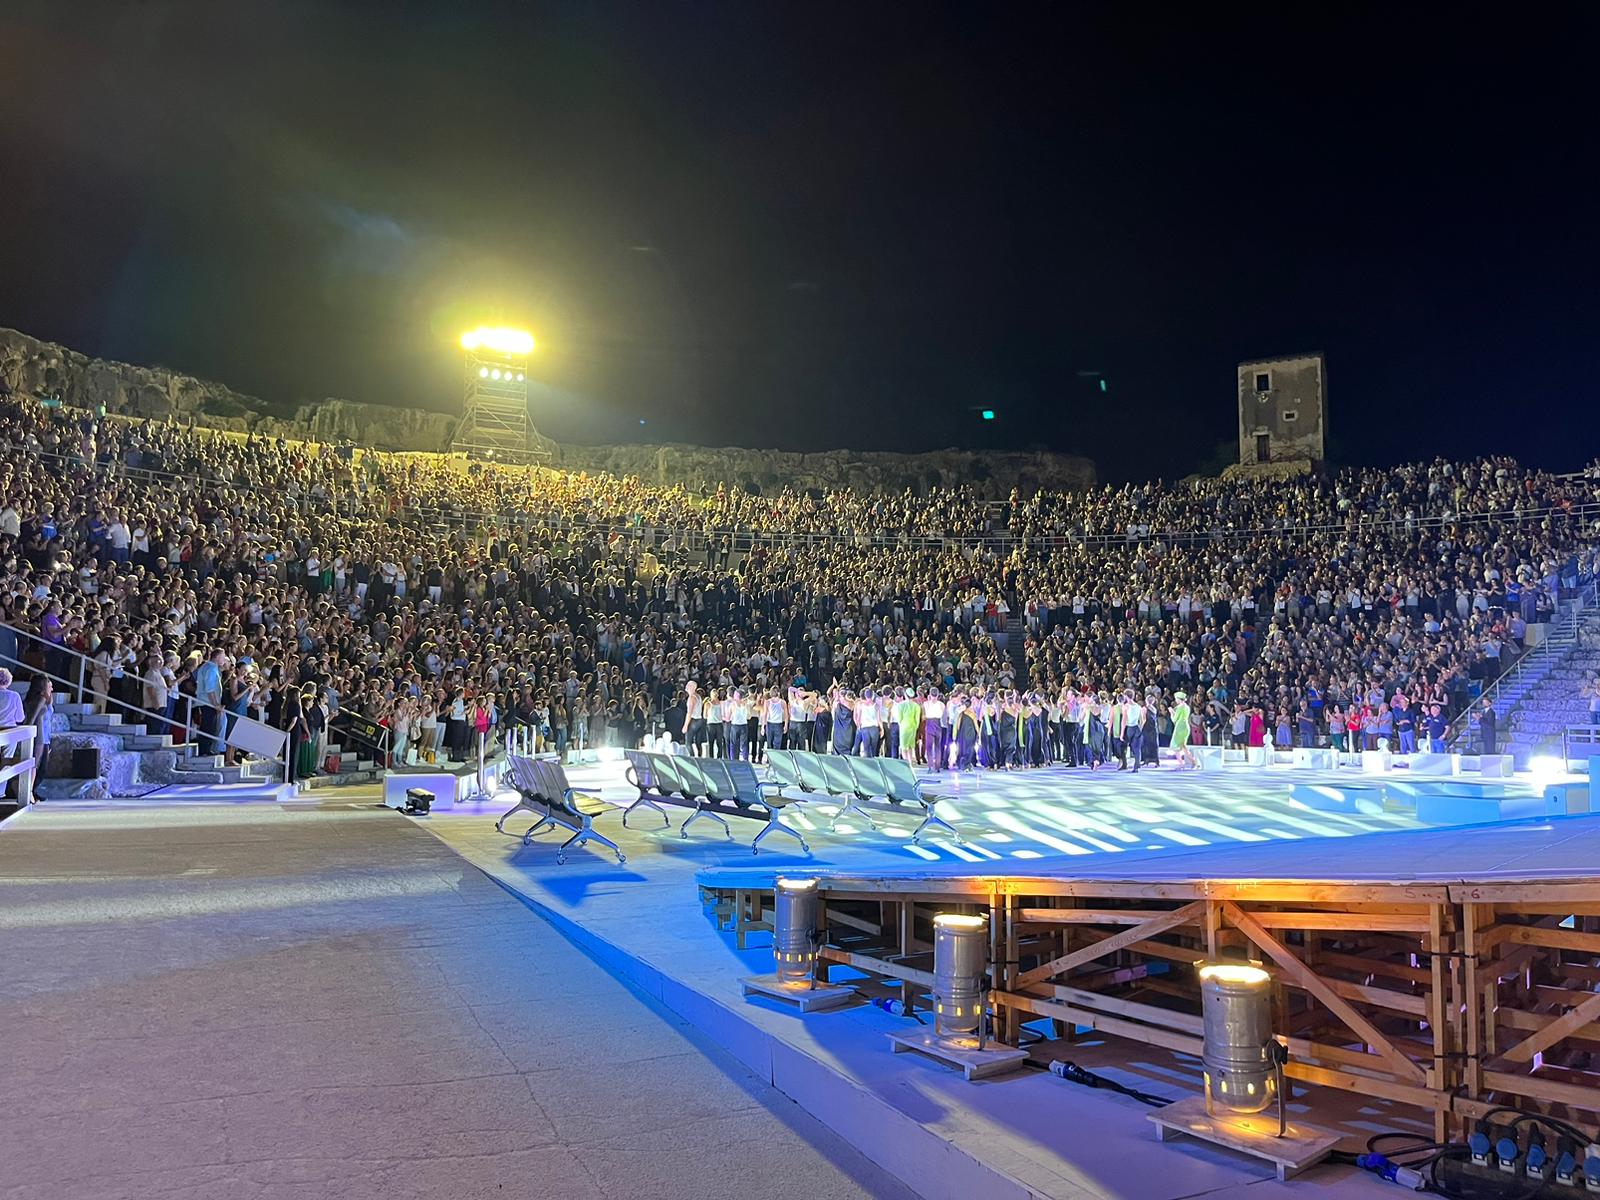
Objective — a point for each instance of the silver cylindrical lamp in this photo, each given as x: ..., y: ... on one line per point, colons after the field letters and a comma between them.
x: 960, y: 963
x: 1243, y: 1060
x: 794, y: 931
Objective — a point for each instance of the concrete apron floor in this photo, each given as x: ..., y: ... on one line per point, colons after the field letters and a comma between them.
x: 261, y: 1002
x: 1021, y: 1135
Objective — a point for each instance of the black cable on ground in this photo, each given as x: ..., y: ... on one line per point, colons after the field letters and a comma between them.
x: 1073, y: 1073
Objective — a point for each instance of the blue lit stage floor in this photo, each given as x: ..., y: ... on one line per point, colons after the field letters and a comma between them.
x: 1020, y: 1135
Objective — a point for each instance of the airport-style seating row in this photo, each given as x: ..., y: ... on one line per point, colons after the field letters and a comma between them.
x: 854, y: 781
x: 543, y: 789
x: 713, y: 787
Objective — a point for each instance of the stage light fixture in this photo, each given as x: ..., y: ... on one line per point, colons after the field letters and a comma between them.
x: 1546, y: 766
x: 794, y: 931
x: 499, y: 339
x: 495, y: 374
x: 520, y: 377
x: 1243, y: 1060
x: 960, y: 963
x: 483, y: 372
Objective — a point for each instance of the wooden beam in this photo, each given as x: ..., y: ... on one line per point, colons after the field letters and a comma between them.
x: 1152, y: 1035
x: 1556, y: 939
x: 1302, y: 975
x: 1089, y: 916
x: 876, y: 966
x: 1575, y: 1019
x: 1189, y: 913
x: 1534, y: 1088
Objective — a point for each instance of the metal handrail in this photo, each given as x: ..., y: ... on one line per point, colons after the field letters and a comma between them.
x: 1581, y: 735
x: 152, y: 719
x: 1568, y: 624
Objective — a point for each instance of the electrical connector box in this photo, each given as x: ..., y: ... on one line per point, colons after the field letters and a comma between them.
x: 1482, y: 1149
x: 1506, y: 1155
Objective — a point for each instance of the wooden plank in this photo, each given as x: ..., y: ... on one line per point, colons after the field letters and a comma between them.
x: 1151, y: 1013
x: 1438, y: 1077
x: 1533, y: 1088
x: 1179, y: 954
x: 1553, y: 939
x: 1377, y: 997
x: 1341, y: 1008
x: 877, y: 966
x: 1151, y: 1035
x: 836, y: 916
x: 1365, y: 1085
x: 1299, y: 1146
x: 1058, y: 966
x: 1471, y: 917
x: 1089, y: 916
x: 1372, y: 966
x: 1574, y: 1020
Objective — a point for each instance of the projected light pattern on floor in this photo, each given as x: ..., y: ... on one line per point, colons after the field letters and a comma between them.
x: 1054, y: 811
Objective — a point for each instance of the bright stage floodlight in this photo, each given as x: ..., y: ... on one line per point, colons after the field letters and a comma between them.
x: 960, y: 962
x: 1243, y: 1061
x: 794, y: 931
x: 499, y: 339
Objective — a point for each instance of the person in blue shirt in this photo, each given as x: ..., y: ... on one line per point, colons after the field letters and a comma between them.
x: 208, y: 701
x: 1435, y: 725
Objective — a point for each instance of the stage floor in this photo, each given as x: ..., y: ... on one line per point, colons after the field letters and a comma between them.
x: 1021, y: 1135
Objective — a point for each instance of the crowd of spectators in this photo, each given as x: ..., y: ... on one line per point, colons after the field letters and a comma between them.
x: 434, y: 599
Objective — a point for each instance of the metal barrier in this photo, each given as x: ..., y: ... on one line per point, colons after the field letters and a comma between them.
x: 16, y: 749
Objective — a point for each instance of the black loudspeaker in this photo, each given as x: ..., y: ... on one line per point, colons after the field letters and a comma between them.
x: 418, y: 801
x: 86, y: 763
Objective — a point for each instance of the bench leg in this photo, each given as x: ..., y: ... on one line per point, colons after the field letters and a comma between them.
x: 527, y: 838
x: 774, y: 823
x: 646, y: 802
x: 700, y: 810
x: 929, y: 817
x: 500, y: 825
x: 583, y: 836
x: 852, y: 804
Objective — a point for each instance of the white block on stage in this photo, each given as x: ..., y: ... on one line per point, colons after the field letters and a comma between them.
x: 1496, y: 766
x: 1435, y: 764
x: 1209, y: 758
x: 1376, y: 762
x: 1310, y: 759
x: 447, y: 788
x: 1256, y: 756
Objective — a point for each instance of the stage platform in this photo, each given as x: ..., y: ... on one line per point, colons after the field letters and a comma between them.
x: 1022, y: 1134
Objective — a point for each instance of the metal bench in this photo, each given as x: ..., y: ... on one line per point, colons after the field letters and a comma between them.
x: 572, y: 810
x: 528, y: 799
x: 905, y: 788
x: 643, y: 774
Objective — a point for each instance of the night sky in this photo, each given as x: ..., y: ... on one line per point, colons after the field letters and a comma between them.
x: 810, y: 226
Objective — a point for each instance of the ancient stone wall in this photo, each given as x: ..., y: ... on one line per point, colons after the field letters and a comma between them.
x: 29, y: 367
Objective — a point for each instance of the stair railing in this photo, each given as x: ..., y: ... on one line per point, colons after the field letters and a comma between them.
x: 70, y: 661
x: 1564, y: 624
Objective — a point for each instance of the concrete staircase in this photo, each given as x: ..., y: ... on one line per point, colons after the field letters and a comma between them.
x: 1016, y: 633
x: 137, y: 761
x: 1542, y: 699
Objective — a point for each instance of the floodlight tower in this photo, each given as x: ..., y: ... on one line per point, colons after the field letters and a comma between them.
x: 494, y: 411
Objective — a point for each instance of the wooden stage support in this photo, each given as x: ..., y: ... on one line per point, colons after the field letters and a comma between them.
x: 1451, y: 997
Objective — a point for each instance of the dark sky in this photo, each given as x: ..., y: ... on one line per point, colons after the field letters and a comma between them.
x: 810, y: 226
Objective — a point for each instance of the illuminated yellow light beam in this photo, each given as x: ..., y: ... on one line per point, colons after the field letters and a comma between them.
x: 499, y: 339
